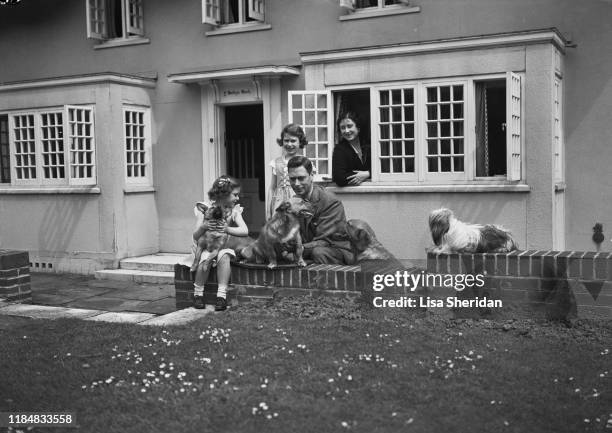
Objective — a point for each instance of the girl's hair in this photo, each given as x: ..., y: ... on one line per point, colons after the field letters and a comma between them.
x: 349, y: 115
x: 222, y: 187
x: 294, y: 130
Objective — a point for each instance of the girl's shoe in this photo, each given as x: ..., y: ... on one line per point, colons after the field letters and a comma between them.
x: 198, y: 302
x: 221, y: 304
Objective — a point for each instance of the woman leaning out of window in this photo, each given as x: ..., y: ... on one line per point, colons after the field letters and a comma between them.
x: 351, y: 160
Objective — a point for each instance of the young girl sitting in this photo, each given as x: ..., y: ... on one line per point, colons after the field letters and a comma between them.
x: 292, y: 139
x: 225, y: 192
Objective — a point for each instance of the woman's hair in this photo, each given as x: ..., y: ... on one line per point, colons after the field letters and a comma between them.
x: 349, y: 115
x: 294, y: 130
x: 300, y: 161
x: 222, y: 187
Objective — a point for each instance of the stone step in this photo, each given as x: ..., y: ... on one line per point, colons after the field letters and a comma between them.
x: 161, y: 262
x: 152, y: 277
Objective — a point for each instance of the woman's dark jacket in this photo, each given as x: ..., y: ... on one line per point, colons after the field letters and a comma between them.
x: 345, y: 161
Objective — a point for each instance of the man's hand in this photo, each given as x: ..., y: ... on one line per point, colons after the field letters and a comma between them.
x: 358, y: 177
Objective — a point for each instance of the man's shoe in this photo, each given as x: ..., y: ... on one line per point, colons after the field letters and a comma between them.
x: 221, y: 304
x: 198, y: 302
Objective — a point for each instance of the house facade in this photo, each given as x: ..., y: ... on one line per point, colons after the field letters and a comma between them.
x: 117, y: 115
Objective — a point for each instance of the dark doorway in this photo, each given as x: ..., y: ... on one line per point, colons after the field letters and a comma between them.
x: 244, y: 147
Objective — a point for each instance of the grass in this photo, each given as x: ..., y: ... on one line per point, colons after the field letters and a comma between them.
x: 304, y: 365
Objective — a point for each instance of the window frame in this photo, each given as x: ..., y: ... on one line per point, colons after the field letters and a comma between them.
x: 254, y: 9
x: 39, y: 180
x: 129, y: 31
x: 421, y: 176
x: 147, y: 179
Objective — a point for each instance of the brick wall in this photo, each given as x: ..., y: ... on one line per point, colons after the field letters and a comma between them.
x: 15, y: 276
x: 564, y: 284
x: 252, y: 281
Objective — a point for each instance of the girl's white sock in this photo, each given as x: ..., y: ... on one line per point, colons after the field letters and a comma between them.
x: 198, y: 290
x: 222, y: 292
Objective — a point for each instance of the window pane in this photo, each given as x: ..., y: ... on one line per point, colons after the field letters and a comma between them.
x: 457, y: 111
x: 445, y: 111
x: 297, y: 117
x: 444, y: 93
x: 432, y: 94
x: 432, y: 129
x: 384, y: 132
x: 408, y: 96
x: 322, y: 150
x: 458, y: 144
x: 397, y: 131
x: 409, y: 113
x: 432, y: 165
x: 432, y: 147
x: 321, y: 101
x: 432, y: 112
x: 409, y: 130
x: 445, y: 129
x: 396, y: 96
x: 397, y: 148
x: 309, y: 118
x: 296, y: 101
x: 445, y: 164
x: 397, y: 165
x: 384, y: 148
x: 457, y: 93
x: 385, y: 166
x: 397, y: 114
x: 445, y: 147
x: 322, y: 117
x: 408, y: 147
x: 384, y: 97
x: 322, y: 166
x: 409, y: 165
x: 384, y: 115
x: 458, y: 161
x: 310, y: 134
x: 458, y: 129
x: 309, y: 101
x: 311, y: 151
x: 322, y: 134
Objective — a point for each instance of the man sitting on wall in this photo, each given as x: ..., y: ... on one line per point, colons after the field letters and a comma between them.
x: 323, y: 234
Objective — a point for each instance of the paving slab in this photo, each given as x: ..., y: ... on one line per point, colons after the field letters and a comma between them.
x: 145, y: 292
x: 180, y: 317
x: 122, y: 317
x: 106, y: 303
x: 161, y: 306
x: 47, y: 312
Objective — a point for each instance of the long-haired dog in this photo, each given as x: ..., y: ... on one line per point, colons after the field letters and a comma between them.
x: 211, y: 239
x: 280, y: 235
x: 453, y: 236
x: 364, y: 242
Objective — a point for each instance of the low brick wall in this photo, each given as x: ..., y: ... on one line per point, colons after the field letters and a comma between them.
x: 15, y: 276
x: 565, y: 284
x: 252, y: 281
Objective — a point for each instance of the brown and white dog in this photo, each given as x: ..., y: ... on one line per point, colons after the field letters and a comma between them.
x: 453, y: 236
x: 364, y: 242
x: 211, y: 239
x: 280, y: 235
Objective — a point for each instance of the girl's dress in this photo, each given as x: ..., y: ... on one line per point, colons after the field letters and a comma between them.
x: 283, y: 188
x: 230, y: 216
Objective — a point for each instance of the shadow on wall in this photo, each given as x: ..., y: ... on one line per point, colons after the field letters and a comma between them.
x: 59, y: 224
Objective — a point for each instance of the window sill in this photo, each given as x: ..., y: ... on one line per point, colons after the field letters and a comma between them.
x: 238, y: 28
x: 136, y: 189
x: 377, y: 188
x: 363, y: 14
x: 50, y: 190
x: 560, y: 186
x: 122, y: 42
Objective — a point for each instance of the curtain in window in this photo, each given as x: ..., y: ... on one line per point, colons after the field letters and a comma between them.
x: 482, y: 133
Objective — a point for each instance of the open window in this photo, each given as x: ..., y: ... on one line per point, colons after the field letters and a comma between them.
x: 312, y: 111
x: 226, y: 12
x: 115, y: 19
x: 353, y: 5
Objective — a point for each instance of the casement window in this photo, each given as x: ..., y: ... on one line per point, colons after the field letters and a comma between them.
x: 48, y: 147
x: 232, y: 12
x: 115, y: 19
x: 462, y: 130
x: 312, y: 110
x: 137, y: 139
x: 371, y: 4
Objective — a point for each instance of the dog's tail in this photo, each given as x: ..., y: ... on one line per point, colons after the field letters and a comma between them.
x: 497, y: 239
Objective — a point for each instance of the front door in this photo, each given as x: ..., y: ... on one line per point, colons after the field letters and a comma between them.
x: 244, y: 159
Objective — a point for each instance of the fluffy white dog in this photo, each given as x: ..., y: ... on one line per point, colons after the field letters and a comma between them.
x: 453, y: 236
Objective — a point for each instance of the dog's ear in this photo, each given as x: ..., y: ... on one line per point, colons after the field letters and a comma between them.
x: 439, y: 225
x: 202, y: 207
x: 283, y: 207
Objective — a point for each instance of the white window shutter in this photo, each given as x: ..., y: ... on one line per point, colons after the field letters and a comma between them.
x: 348, y: 4
x: 211, y: 12
x: 256, y: 10
x: 81, y: 144
x: 134, y: 16
x: 513, y: 129
x: 96, y: 19
x: 312, y: 110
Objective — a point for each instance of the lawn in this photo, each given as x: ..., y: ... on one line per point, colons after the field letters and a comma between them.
x: 307, y: 365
